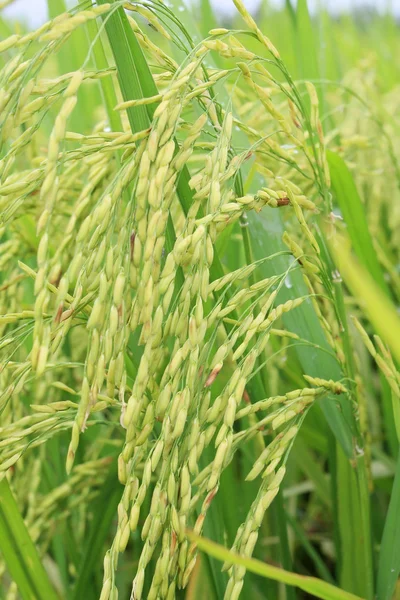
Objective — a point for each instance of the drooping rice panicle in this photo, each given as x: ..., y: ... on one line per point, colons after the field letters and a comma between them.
x: 145, y: 330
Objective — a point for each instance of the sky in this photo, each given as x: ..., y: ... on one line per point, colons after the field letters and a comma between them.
x: 35, y: 11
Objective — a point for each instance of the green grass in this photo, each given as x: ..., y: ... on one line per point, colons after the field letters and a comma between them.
x: 199, y: 334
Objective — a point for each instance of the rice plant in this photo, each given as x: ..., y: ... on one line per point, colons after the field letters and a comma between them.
x: 199, y: 273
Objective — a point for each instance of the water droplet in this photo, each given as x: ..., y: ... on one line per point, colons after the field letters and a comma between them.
x: 288, y: 282
x: 336, y: 276
x: 360, y: 451
x: 336, y: 215
x: 244, y: 221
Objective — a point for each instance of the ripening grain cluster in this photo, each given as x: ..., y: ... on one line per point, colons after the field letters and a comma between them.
x: 176, y: 224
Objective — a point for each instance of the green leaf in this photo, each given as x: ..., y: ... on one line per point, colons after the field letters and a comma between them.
x: 354, y: 216
x: 71, y: 57
x: 379, y: 309
x: 19, y: 552
x: 107, y: 84
x: 316, y: 587
x: 316, y: 360
x: 56, y: 7
x: 389, y: 558
x: 104, y: 514
x: 355, y: 556
x: 309, y: 465
x: 307, y: 43
x: 286, y: 557
x: 134, y: 75
x: 319, y: 564
x: 208, y: 20
x: 291, y: 11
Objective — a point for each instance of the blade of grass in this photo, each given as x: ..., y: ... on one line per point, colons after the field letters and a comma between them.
x: 104, y: 514
x: 286, y: 557
x: 262, y: 387
x: 291, y: 11
x: 19, y: 552
x: 389, y: 417
x: 134, y: 75
x: 107, y: 84
x: 56, y: 7
x: 309, y: 465
x: 199, y: 585
x: 360, y: 561
x: 350, y: 527
x: 70, y: 59
x: 377, y: 307
x: 208, y: 20
x: 319, y: 564
x: 317, y: 359
x: 53, y: 476
x: 330, y: 62
x: 312, y: 585
x: 266, y: 233
x: 389, y: 557
x: 214, y: 525
x: 307, y: 44
x: 353, y: 212
x: 383, y: 317
x: 333, y: 469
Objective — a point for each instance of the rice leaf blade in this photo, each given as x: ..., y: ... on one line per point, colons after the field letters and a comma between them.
x: 353, y: 212
x: 70, y: 59
x: 320, y: 566
x: 377, y: 307
x: 107, y: 83
x: 133, y: 74
x: 266, y: 232
x: 19, y: 552
x: 317, y: 359
x: 106, y: 505
x: 316, y: 587
x: 308, y: 463
x: 389, y: 557
x: 208, y: 20
x: 307, y: 43
x: 354, y: 571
